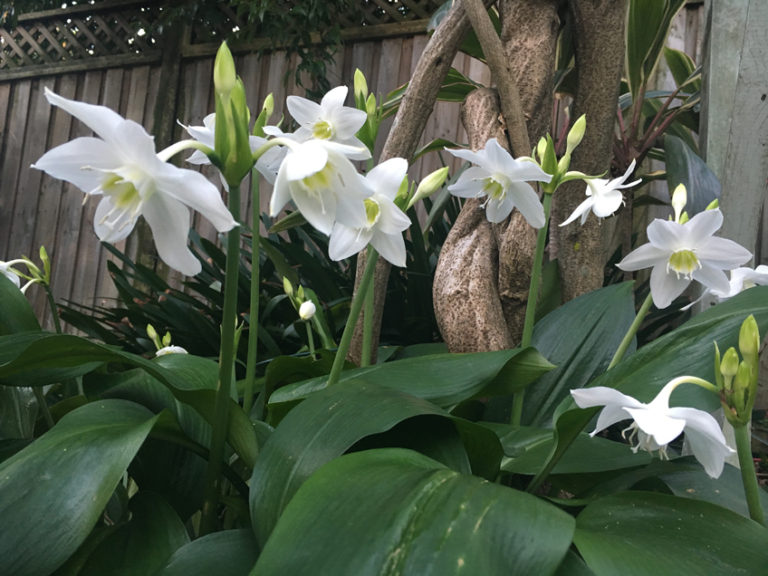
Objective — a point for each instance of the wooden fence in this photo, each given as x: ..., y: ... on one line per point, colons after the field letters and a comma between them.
x: 154, y: 84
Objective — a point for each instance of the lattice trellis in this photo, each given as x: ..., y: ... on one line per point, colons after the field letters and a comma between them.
x: 55, y: 37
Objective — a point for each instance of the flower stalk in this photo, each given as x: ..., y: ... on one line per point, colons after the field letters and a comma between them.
x: 354, y: 313
x: 226, y: 372
x: 748, y: 475
x: 253, y: 313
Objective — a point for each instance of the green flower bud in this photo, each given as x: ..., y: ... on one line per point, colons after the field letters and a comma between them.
x: 541, y: 149
x: 46, y: 265
x: 743, y: 397
x: 729, y: 367
x: 166, y: 339
x: 575, y: 134
x: 287, y: 287
x: 224, y: 76
x: 429, y: 185
x: 714, y: 205
x: 267, y: 109
x: 749, y: 341
x: 361, y: 89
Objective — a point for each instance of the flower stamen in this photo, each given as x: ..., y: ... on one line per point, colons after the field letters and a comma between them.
x: 683, y: 262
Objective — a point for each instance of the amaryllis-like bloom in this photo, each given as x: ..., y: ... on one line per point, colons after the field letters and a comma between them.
x: 742, y: 279
x: 268, y: 165
x: 323, y: 184
x: 123, y: 168
x: 502, y: 179
x: 603, y: 197
x: 385, y: 222
x: 330, y: 120
x: 168, y: 350
x: 680, y: 253
x: 656, y: 424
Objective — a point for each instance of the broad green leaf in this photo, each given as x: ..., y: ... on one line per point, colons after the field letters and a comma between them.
x: 687, y: 350
x: 142, y: 545
x: 54, y: 490
x: 681, y: 66
x: 16, y: 314
x: 684, y: 166
x: 18, y: 412
x: 580, y: 338
x: 573, y: 565
x: 648, y: 534
x: 43, y: 358
x: 230, y: 553
x: 436, y: 145
x: 526, y: 448
x: 393, y: 511
x: 328, y: 423
x: 445, y: 379
x: 726, y: 491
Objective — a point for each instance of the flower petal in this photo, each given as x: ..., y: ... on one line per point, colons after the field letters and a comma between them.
x: 346, y: 241
x: 307, y: 159
x: 169, y: 221
x: 667, y: 235
x: 723, y: 253
x: 703, y: 226
x: 607, y: 203
x: 644, y: 256
x: 581, y: 210
x: 713, y: 278
x: 658, y: 424
x: 111, y: 223
x: 392, y: 220
x: 497, y: 209
x: 705, y: 438
x: 280, y: 194
x: 81, y: 162
x: 386, y: 178
x: 105, y: 122
x: 390, y: 246
x: 304, y: 111
x: 526, y: 200
x: 666, y: 286
x: 470, y: 184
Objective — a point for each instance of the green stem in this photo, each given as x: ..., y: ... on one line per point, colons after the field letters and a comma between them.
x: 38, y: 391
x: 310, y: 340
x: 530, y: 308
x: 253, y: 316
x: 226, y: 372
x: 354, y: 313
x: 54, y: 309
x: 365, y: 356
x: 629, y: 336
x: 748, y: 476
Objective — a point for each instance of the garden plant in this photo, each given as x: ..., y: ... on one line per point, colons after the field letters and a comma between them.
x: 252, y: 422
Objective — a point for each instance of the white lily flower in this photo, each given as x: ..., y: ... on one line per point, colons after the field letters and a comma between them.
x: 124, y: 169
x: 680, y: 253
x: 7, y: 270
x: 385, y: 222
x: 166, y: 350
x: 743, y: 279
x: 503, y: 180
x: 603, y: 197
x: 268, y: 165
x: 330, y: 120
x: 656, y: 424
x: 323, y: 184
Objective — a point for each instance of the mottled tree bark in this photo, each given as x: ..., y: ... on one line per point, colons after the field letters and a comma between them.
x: 483, y: 275
x: 598, y: 33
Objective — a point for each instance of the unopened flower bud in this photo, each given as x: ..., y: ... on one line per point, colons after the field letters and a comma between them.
x: 679, y: 200
x: 749, y: 341
x: 575, y: 134
x: 729, y: 366
x: 361, y: 89
x: 307, y: 310
x: 287, y: 286
x: 224, y: 76
x: 429, y: 185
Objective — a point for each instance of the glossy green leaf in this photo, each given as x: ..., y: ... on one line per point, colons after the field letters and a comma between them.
x: 573, y: 565
x: 16, y: 314
x: 54, y: 490
x: 687, y: 350
x: 393, y: 511
x: 682, y: 67
x: 43, y: 358
x: 648, y: 534
x: 327, y: 424
x: 445, y: 379
x: 230, y: 553
x: 684, y: 166
x: 579, y: 338
x: 143, y: 544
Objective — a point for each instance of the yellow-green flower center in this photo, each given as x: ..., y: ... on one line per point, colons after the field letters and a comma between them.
x: 372, y: 211
x: 123, y: 193
x: 322, y: 130
x: 320, y: 179
x: 493, y: 189
x: 683, y: 262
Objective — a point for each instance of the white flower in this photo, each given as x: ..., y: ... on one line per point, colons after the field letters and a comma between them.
x: 656, y: 424
x: 742, y: 279
x: 267, y: 165
x: 330, y: 120
x: 603, y: 197
x: 123, y: 167
x: 680, y: 253
x: 385, y: 222
x: 323, y: 184
x: 7, y: 270
x: 166, y: 350
x: 307, y: 310
x: 503, y: 180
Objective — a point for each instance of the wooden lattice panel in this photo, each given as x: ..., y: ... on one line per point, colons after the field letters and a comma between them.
x: 57, y: 37
x: 375, y: 12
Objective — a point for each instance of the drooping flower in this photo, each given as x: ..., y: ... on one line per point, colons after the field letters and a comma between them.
x: 743, y: 279
x: 167, y: 350
x: 656, y: 424
x: 385, y: 222
x: 268, y: 165
x: 7, y: 270
x: 603, y: 197
x: 680, y: 253
x: 323, y: 184
x: 330, y: 120
x: 123, y: 168
x: 502, y: 179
